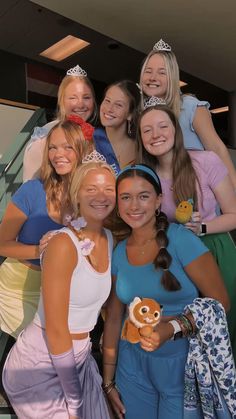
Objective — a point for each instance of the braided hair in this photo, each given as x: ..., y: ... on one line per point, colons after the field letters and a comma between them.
x: 163, y: 259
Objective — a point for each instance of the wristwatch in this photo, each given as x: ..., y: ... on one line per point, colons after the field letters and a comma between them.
x: 177, y: 330
x: 203, y: 229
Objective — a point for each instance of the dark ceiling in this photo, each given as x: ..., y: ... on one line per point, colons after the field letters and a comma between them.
x: 26, y: 29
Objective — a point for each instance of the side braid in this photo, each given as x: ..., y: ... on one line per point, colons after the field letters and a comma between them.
x: 163, y: 258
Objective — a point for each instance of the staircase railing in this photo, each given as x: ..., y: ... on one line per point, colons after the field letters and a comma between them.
x: 11, y: 163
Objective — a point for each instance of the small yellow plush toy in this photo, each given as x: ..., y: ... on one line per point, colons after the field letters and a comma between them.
x: 184, y: 211
x: 144, y: 315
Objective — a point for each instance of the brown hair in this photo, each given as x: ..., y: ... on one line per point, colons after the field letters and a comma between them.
x: 130, y: 89
x: 163, y: 258
x: 51, y: 180
x: 185, y: 180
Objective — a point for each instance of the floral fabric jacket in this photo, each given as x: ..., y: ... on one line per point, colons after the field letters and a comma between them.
x: 210, y: 376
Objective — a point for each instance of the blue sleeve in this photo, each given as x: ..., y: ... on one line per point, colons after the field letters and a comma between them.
x: 24, y: 197
x: 188, y: 246
x: 190, y: 105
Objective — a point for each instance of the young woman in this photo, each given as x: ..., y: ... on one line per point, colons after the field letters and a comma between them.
x: 39, y: 205
x: 160, y: 78
x: 169, y: 264
x: 197, y: 175
x: 75, y: 97
x: 118, y: 118
x: 50, y: 372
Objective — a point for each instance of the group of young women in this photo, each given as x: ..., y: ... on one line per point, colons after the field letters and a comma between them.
x: 83, y: 177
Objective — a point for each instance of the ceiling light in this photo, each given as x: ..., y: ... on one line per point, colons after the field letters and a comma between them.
x: 64, y: 48
x: 219, y: 110
x: 182, y: 83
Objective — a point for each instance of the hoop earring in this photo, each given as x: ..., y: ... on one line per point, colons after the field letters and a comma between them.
x: 117, y: 213
x: 157, y: 212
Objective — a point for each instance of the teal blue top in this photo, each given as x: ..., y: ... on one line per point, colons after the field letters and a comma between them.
x: 145, y: 281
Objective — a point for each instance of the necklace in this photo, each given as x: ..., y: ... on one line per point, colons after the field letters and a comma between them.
x: 143, y: 245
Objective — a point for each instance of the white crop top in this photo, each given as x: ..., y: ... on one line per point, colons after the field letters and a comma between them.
x: 88, y: 291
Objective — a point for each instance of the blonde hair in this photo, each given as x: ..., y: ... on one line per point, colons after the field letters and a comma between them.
x: 51, y: 180
x: 172, y: 97
x: 185, y: 180
x: 61, y: 114
x: 78, y: 178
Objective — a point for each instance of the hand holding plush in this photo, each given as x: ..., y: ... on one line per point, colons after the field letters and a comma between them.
x: 144, y: 315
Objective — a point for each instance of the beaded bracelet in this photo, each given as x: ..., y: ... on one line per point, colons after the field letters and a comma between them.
x: 107, y: 387
x: 185, y: 324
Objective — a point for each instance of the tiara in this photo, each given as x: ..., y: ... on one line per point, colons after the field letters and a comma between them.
x: 153, y: 101
x: 161, y: 46
x: 94, y: 157
x: 76, y: 71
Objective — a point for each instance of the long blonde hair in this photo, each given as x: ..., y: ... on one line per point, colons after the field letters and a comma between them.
x: 51, y: 180
x: 61, y: 113
x: 185, y: 180
x: 172, y: 97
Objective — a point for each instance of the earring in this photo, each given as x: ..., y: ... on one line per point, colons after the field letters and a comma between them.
x: 129, y: 127
x: 117, y: 213
x: 157, y: 212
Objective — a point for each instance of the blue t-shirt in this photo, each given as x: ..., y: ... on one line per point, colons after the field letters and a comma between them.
x: 188, y: 109
x: 145, y: 281
x: 30, y: 198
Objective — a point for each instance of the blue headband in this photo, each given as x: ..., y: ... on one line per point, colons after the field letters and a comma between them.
x: 142, y: 168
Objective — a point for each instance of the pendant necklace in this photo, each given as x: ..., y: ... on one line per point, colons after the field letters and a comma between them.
x: 143, y: 251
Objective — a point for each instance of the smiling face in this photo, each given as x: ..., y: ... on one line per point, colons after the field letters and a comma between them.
x: 154, y: 79
x: 137, y: 202
x: 157, y: 132
x: 114, y: 110
x: 97, y: 195
x: 78, y: 99
x: 61, y: 154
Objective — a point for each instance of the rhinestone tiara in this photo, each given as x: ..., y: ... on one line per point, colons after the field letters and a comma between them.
x: 76, y: 71
x: 153, y: 101
x: 161, y: 46
x: 94, y: 157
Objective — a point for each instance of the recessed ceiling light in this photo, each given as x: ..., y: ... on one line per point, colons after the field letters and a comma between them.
x: 219, y: 110
x: 64, y: 48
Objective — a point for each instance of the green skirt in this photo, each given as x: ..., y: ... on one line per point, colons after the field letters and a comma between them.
x: 223, y: 249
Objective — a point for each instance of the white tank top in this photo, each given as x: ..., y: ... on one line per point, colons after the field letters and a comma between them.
x: 89, y: 290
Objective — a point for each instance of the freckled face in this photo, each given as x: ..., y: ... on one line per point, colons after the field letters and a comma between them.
x: 61, y: 154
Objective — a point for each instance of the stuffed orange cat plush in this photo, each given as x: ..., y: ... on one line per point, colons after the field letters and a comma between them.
x: 144, y: 315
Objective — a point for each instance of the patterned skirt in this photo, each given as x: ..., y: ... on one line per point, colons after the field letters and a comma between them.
x: 33, y: 386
